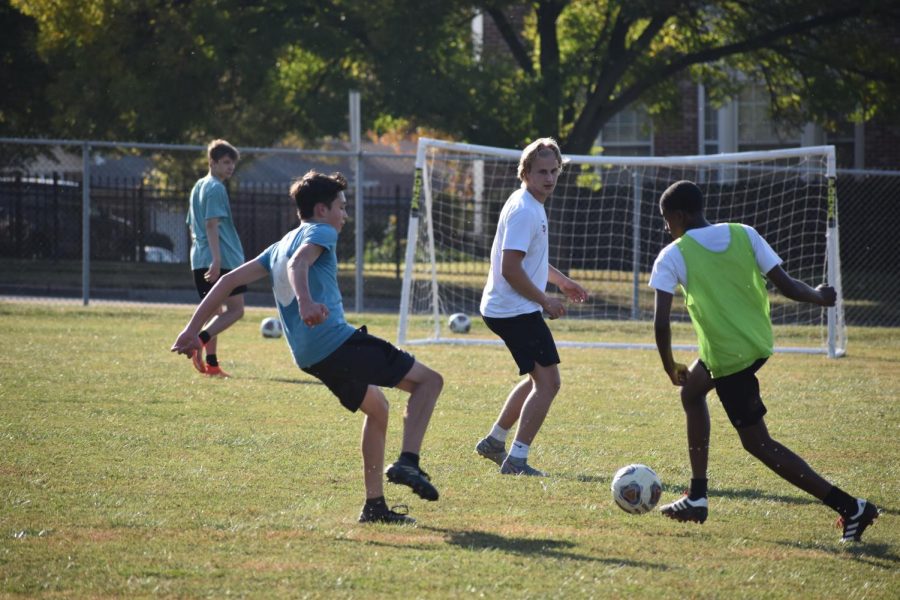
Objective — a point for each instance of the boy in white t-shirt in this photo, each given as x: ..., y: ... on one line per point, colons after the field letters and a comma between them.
x: 513, y: 299
x: 720, y: 269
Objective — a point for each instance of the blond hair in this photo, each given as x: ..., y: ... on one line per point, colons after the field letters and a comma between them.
x: 533, y: 150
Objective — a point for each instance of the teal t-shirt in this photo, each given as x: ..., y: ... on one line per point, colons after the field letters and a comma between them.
x: 309, y: 345
x: 209, y: 200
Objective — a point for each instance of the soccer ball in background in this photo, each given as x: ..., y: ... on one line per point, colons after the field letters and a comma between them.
x: 271, y: 328
x: 459, y: 323
x: 636, y: 489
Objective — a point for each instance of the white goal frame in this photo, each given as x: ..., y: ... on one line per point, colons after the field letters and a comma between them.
x: 421, y: 220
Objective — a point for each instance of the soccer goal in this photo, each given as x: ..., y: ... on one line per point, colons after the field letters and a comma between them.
x: 606, y: 231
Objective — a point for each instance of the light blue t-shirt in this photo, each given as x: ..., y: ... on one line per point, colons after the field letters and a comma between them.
x: 209, y: 200
x: 309, y: 345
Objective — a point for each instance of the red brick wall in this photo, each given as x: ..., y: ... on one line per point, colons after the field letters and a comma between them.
x: 678, y: 136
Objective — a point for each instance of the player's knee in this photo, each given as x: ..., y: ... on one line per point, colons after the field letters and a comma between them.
x: 690, y: 399
x: 375, y: 404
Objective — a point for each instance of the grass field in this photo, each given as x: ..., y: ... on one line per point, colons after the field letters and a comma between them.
x: 124, y: 473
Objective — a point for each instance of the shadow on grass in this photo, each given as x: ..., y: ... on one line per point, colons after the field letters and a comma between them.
x: 872, y: 554
x: 483, y: 540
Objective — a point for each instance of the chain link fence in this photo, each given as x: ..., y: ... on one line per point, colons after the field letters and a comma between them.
x: 124, y: 206
x: 132, y: 199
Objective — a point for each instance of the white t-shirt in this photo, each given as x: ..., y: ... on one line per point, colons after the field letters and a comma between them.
x: 669, y: 269
x: 522, y: 226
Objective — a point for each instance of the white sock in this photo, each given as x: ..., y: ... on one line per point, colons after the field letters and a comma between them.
x: 519, y: 450
x: 498, y: 433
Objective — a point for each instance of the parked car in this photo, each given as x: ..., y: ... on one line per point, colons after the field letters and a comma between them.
x: 156, y: 254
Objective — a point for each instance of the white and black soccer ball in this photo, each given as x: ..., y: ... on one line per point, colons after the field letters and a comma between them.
x: 636, y: 489
x: 459, y: 323
x: 270, y: 327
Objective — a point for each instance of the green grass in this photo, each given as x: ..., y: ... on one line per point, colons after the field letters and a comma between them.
x: 123, y: 473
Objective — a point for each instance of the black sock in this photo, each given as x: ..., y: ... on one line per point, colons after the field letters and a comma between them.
x: 204, y: 337
x: 698, y: 489
x: 379, y: 501
x: 211, y: 360
x: 411, y: 458
x: 841, y: 501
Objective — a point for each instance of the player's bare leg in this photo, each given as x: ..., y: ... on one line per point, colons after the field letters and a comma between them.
x: 696, y: 412
x: 779, y: 458
x: 424, y: 386
x: 545, y: 384
x: 374, y: 433
x: 512, y: 408
x: 694, y: 506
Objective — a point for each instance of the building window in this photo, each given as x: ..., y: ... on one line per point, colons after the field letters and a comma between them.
x: 756, y: 131
x: 629, y: 133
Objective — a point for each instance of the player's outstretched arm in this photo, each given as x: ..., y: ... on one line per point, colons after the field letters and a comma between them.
x: 662, y: 329
x: 311, y: 312
x: 187, y: 341
x: 823, y: 295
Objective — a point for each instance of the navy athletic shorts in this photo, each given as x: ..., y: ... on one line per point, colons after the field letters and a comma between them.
x: 528, y: 338
x: 361, y: 361
x: 739, y: 395
x: 203, y: 286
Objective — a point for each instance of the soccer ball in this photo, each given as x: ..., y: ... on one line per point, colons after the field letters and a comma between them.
x: 271, y: 328
x: 636, y: 489
x: 459, y: 323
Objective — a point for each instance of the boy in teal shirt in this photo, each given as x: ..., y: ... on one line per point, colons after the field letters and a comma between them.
x: 720, y: 270
x: 350, y: 362
x: 215, y: 249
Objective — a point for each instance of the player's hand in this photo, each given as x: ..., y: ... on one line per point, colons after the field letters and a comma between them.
x: 212, y: 274
x: 554, y: 307
x: 573, y: 291
x: 827, y: 294
x: 314, y: 314
x: 186, y: 343
x: 678, y: 374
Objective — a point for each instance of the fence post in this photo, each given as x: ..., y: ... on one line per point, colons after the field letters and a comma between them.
x: 359, y: 210
x: 397, y: 232
x: 85, y: 223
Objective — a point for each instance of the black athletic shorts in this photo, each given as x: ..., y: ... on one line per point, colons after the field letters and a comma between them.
x: 739, y: 395
x: 361, y: 361
x: 203, y: 286
x: 528, y: 338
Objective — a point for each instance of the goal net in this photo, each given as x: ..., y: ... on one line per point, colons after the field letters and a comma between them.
x: 606, y: 231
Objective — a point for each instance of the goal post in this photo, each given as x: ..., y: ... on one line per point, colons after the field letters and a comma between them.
x: 606, y: 231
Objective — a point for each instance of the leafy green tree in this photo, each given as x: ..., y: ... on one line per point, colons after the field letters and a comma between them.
x: 23, y: 76
x: 587, y: 60
x: 257, y: 72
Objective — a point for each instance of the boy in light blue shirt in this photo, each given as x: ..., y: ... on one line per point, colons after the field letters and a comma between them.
x: 215, y: 249
x: 349, y: 361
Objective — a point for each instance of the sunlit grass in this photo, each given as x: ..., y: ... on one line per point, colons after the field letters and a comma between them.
x: 125, y: 473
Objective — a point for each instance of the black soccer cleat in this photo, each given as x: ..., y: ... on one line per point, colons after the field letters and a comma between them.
x: 685, y: 509
x: 406, y: 474
x: 380, y: 513
x: 855, y: 526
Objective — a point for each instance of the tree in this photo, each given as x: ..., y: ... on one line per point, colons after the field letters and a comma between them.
x: 256, y: 72
x: 23, y: 76
x: 820, y: 59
